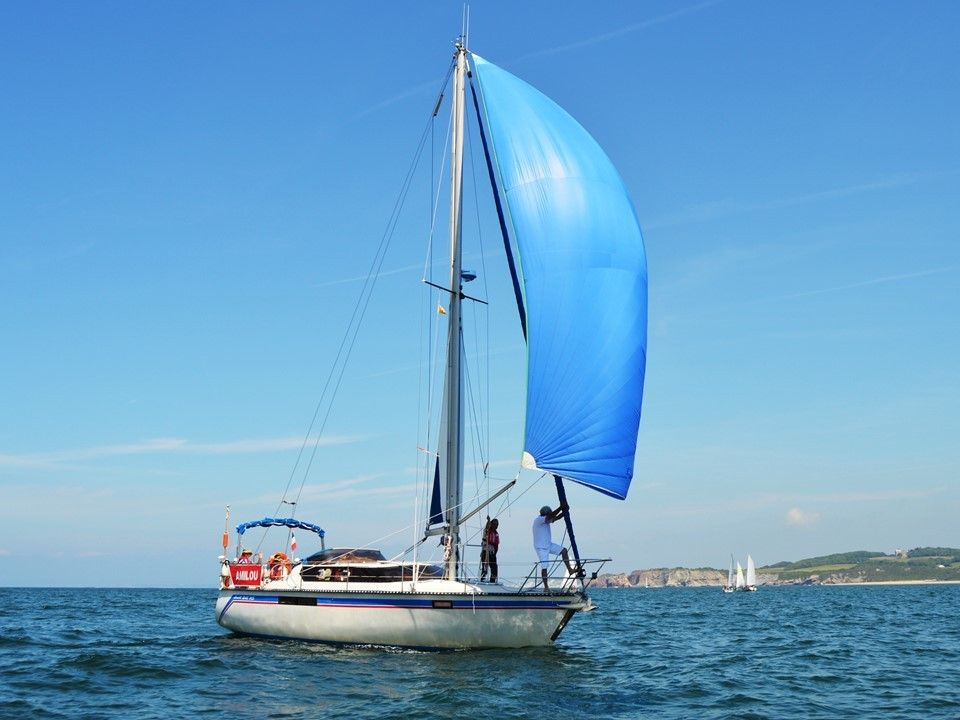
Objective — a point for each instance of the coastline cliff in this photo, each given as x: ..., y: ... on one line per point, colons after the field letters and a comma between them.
x: 926, y: 564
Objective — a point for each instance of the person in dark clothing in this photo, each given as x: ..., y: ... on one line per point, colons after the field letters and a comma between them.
x: 492, y: 543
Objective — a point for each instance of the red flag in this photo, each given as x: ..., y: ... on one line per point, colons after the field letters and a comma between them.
x: 293, y: 543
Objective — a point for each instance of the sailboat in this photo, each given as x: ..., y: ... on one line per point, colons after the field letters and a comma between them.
x: 581, y: 294
x: 739, y: 583
x: 728, y: 588
x: 751, y: 582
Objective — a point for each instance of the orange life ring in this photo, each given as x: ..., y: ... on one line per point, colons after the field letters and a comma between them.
x: 279, y: 565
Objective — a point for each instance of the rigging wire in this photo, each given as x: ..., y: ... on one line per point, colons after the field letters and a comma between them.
x: 356, y: 319
x: 432, y: 301
x: 475, y: 445
x: 365, y: 302
x: 478, y: 393
x: 486, y: 311
x: 426, y: 337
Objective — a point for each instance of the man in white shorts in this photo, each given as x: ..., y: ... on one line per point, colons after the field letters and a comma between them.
x: 543, y: 542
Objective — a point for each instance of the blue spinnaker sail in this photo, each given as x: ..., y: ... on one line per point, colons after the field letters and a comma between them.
x: 585, y: 284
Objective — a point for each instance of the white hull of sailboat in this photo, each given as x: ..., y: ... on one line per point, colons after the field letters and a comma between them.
x: 428, y: 620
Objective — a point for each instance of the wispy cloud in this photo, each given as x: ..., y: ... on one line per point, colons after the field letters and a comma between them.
x: 355, y: 487
x: 433, y: 85
x: 166, y: 446
x: 874, y: 281
x: 507, y: 349
x: 651, y: 485
x: 413, y: 91
x: 875, y: 496
x: 374, y: 485
x: 799, y: 518
x: 889, y: 182
x: 711, y: 210
x: 697, y: 213
x: 360, y: 278
x: 467, y: 258
x: 619, y: 32
x: 762, y: 502
x: 716, y: 209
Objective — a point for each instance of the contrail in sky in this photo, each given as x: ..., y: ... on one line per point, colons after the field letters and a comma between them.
x: 358, y: 278
x: 874, y: 281
x: 411, y: 92
x: 406, y: 268
x: 715, y: 209
x: 660, y: 19
x: 164, y: 445
x: 667, y: 17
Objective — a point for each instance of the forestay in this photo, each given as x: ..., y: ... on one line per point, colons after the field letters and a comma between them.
x: 585, y: 284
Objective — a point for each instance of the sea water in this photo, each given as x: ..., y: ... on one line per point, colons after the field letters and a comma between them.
x: 792, y: 652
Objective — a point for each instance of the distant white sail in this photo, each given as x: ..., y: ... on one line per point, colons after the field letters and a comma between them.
x: 739, y: 576
x: 751, y: 572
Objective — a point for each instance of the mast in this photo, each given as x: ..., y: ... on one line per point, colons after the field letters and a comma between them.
x: 451, y: 447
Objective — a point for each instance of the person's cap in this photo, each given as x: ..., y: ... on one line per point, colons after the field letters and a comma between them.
x: 546, y: 510
x: 247, y: 552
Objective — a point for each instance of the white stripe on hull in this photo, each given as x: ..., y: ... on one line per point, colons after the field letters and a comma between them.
x: 496, y: 620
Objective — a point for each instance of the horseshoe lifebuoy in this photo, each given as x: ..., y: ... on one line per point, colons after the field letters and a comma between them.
x: 279, y: 565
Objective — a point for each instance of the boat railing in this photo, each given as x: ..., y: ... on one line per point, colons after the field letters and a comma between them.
x: 256, y: 575
x: 559, y: 577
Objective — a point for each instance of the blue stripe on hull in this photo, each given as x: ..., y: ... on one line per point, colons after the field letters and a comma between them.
x: 421, y: 603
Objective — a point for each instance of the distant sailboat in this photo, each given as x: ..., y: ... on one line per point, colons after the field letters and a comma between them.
x: 751, y: 575
x: 740, y: 584
x: 728, y: 588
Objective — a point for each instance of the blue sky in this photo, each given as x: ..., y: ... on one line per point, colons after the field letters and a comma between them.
x: 188, y: 195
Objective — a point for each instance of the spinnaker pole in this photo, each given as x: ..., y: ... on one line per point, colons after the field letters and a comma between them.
x: 562, y: 496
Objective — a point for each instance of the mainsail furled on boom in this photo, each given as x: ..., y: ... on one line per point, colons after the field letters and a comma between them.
x: 585, y: 284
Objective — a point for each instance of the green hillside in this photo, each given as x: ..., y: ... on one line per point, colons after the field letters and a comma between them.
x: 928, y: 563
x: 847, y: 559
